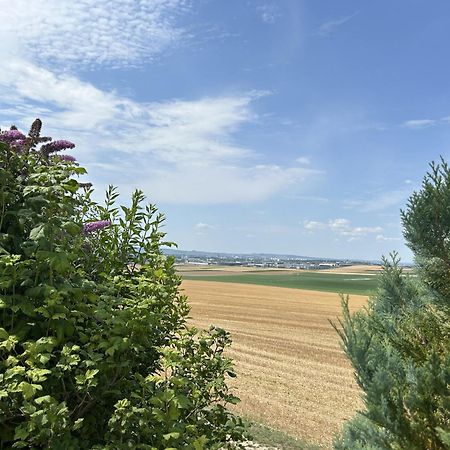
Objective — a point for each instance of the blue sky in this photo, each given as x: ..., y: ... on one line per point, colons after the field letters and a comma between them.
x: 283, y: 126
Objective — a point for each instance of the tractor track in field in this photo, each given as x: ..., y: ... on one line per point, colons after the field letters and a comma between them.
x: 292, y: 373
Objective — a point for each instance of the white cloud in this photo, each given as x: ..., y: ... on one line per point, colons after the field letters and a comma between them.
x: 213, y: 183
x: 329, y: 27
x: 303, y: 160
x: 115, y: 33
x: 178, y: 151
x: 420, y: 123
x: 344, y: 228
x: 198, y: 130
x: 204, y: 226
x: 380, y: 201
x: 269, y: 13
x: 382, y: 238
x: 313, y: 225
x: 341, y: 227
x: 72, y: 103
x: 173, y: 130
x: 308, y: 198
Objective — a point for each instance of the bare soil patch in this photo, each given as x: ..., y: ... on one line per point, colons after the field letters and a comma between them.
x: 292, y: 373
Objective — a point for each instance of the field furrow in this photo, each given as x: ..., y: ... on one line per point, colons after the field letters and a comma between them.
x: 292, y: 373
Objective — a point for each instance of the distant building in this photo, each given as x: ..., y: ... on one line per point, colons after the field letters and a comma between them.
x: 327, y: 265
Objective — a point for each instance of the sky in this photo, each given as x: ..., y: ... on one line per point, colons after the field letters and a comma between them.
x: 288, y: 126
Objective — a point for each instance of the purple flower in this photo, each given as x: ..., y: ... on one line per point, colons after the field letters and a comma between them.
x: 18, y: 144
x: 95, y: 226
x: 56, y: 146
x: 11, y: 136
x: 68, y: 158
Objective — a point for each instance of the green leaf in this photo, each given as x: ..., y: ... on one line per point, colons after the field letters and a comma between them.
x: 444, y: 436
x: 44, y: 399
x: 78, y: 424
x: 81, y: 330
x: 233, y: 400
x: 38, y: 375
x: 3, y: 334
x: 28, y: 390
x: 37, y: 233
x: 200, y: 443
x: 90, y: 374
x: 174, y: 412
x: 173, y: 435
x: 72, y: 228
x: 21, y: 432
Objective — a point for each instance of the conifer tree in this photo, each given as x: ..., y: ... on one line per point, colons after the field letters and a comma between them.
x: 399, y: 345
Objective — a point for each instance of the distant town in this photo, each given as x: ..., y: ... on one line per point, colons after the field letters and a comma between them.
x: 260, y: 260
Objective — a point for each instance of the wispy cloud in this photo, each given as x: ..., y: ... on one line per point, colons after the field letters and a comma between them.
x: 308, y: 198
x: 331, y: 26
x: 90, y: 33
x: 382, y: 238
x: 313, y: 225
x: 178, y: 150
x: 417, y: 124
x: 379, y: 201
x: 269, y: 13
x: 204, y: 226
x: 173, y: 131
x: 303, y: 160
x: 214, y: 183
x: 198, y: 130
x: 341, y: 227
x: 184, y: 148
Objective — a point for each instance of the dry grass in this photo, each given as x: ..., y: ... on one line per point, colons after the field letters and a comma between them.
x: 357, y: 269
x: 292, y: 374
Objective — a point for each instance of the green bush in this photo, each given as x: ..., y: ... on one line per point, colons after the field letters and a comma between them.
x: 400, y: 345
x: 95, y: 351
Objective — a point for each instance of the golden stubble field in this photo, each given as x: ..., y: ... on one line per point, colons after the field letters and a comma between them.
x: 292, y: 373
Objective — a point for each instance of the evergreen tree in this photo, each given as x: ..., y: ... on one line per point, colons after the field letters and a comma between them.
x: 399, y: 345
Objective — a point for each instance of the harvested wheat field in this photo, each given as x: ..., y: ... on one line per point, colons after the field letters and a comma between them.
x: 292, y: 373
x: 355, y: 269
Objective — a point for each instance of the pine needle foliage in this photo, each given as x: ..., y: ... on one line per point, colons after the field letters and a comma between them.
x: 399, y: 345
x: 95, y: 352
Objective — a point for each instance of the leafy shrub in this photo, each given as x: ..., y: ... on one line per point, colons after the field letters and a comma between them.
x: 95, y: 351
x: 400, y: 345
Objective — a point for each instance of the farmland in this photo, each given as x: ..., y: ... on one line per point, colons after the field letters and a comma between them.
x: 346, y: 283
x: 292, y: 373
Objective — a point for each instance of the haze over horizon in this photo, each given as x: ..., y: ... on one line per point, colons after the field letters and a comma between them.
x: 171, y: 251
x: 287, y: 127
